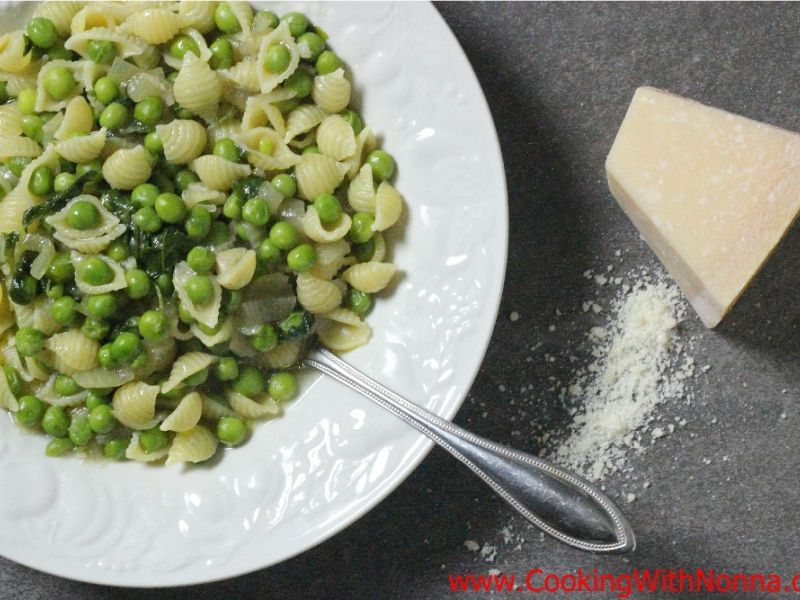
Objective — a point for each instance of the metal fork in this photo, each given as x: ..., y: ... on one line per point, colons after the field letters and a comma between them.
x: 560, y: 503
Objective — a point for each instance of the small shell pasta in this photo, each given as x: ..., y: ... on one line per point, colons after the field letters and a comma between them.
x: 388, y: 207
x: 186, y: 366
x: 91, y: 17
x: 135, y: 452
x: 45, y: 102
x: 207, y: 314
x: 370, y: 277
x: 317, y: 295
x: 13, y: 57
x: 18, y: 145
x: 186, y: 415
x: 126, y: 46
x: 332, y: 91
x: 252, y: 409
x: 244, y: 74
x: 302, y: 120
x: 82, y: 149
x: 314, y: 228
x: 125, y: 169
x: 281, y: 156
x: 10, y: 121
x: 59, y: 14
x: 280, y: 35
x: 200, y: 193
x: 336, y: 138
x: 361, y: 191
x: 259, y: 111
x: 184, y: 140
x: 341, y: 330
x: 214, y: 410
x: 224, y: 333
x: 197, y: 88
x: 118, y: 283
x: 87, y: 241
x: 78, y: 118
x: 73, y: 351
x: 284, y: 355
x: 317, y: 174
x: 155, y: 26
x: 235, y: 267
x: 134, y: 404
x: 194, y: 446
x: 330, y: 258
x: 102, y: 378
x: 218, y: 173
x: 200, y: 14
x: 7, y: 398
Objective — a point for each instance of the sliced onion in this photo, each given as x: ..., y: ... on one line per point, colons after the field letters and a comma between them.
x: 293, y: 211
x: 271, y: 196
x: 270, y: 285
x: 103, y: 378
x: 240, y: 346
x: 252, y: 315
x: 41, y: 245
x: 122, y: 70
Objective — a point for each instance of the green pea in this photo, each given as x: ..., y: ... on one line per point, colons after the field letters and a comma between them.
x: 83, y: 215
x: 382, y: 164
x: 284, y: 236
x: 354, y: 119
x: 198, y: 378
x: 106, y: 90
x: 95, y: 271
x: 268, y: 252
x: 149, y: 111
x: 41, y: 32
x: 219, y: 234
x: 153, y: 143
x: 30, y: 412
x: 138, y: 283
x: 285, y: 184
x: 328, y: 208
x: 58, y: 52
x: 147, y: 219
x: 313, y: 42
x: 164, y: 283
x: 95, y: 329
x: 115, y: 449
x: 153, y: 325
x: 54, y: 292
x: 198, y: 224
x: 31, y: 126
x: 101, y: 306
x: 226, y: 19
x: 227, y: 369
x: 94, y: 399
x: 17, y: 164
x: 59, y: 82
x: 114, y: 116
x: 153, y: 440
x: 226, y: 148
x: 252, y: 234
x: 126, y: 347
x: 102, y: 52
x: 65, y: 386
x: 3, y: 92
x: 264, y: 20
x: 311, y: 150
x: 106, y: 357
x: 233, y: 300
x: 301, y: 82
x: 41, y: 181
x: 184, y: 316
x: 30, y: 341
x: 61, y: 269
x: 277, y: 58
x: 200, y: 289
x: 64, y: 310
x: 63, y: 182
x: 201, y: 259
x: 255, y: 211
x: 58, y: 447
x: 233, y: 206
x: 359, y: 302
x: 183, y: 44
x: 282, y: 386
x: 301, y: 258
x: 250, y: 382
x: 182, y: 113
x: 26, y: 101
x: 185, y: 178
x: 265, y: 339
x: 144, y: 194
x: 298, y: 22
x: 80, y: 431
x: 221, y: 53
x: 93, y: 166
x: 327, y: 62
x: 14, y: 380
x: 361, y: 227
x: 266, y: 146
x: 170, y: 208
x: 101, y: 420
x: 231, y: 431
x: 117, y: 251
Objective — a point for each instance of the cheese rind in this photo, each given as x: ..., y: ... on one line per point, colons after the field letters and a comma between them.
x: 711, y: 192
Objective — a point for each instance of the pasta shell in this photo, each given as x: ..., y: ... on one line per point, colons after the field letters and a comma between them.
x: 197, y: 87
x: 90, y: 17
x: 244, y: 74
x: 281, y: 158
x: 214, y: 410
x: 73, y: 351
x: 183, y: 139
x: 235, y: 268
x: 280, y: 35
x: 125, y: 169
x: 317, y: 174
x: 134, y: 404
x: 78, y: 118
x: 13, y: 57
x: 118, y: 283
x: 18, y: 146
x: 260, y: 111
x: 218, y: 173
x: 126, y: 46
x: 135, y: 452
x: 341, y: 330
x: 361, y: 191
x: 331, y: 92
x: 336, y: 138
x: 155, y: 26
x: 314, y: 228
x: 370, y: 277
x: 284, y: 355
x: 194, y: 446
x: 10, y: 118
x: 388, y: 207
x: 303, y: 119
x: 82, y: 149
x: 330, y: 258
x: 186, y: 366
x: 186, y: 415
x: 200, y: 193
x: 59, y: 14
x: 251, y: 409
x: 317, y: 295
x: 200, y: 14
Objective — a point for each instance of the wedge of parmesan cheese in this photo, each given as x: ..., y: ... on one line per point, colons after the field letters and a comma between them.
x: 712, y: 193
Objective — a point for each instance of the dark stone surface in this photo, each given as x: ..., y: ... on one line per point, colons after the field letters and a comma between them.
x: 558, y: 78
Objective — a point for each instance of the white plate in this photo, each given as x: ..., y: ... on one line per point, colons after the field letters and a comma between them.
x: 333, y: 455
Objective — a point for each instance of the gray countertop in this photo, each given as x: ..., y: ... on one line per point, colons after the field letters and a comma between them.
x: 724, y: 488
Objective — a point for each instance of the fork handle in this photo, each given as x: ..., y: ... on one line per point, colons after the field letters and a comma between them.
x: 560, y: 503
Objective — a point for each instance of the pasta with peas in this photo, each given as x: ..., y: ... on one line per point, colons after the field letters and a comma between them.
x: 187, y: 204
